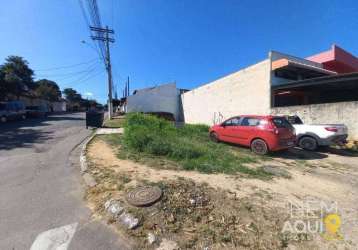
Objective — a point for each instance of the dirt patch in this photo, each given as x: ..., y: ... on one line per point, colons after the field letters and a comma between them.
x: 103, y: 156
x: 228, y: 205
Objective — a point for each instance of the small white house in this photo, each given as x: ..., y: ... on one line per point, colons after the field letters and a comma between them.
x: 60, y: 106
x: 159, y: 99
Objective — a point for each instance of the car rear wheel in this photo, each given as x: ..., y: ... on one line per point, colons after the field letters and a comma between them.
x: 259, y: 146
x: 308, y: 143
x: 3, y: 119
x: 214, y: 137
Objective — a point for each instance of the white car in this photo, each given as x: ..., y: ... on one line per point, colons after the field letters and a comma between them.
x: 310, y: 136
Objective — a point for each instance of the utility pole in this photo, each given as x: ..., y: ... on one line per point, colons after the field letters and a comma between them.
x: 128, y: 93
x: 103, y: 35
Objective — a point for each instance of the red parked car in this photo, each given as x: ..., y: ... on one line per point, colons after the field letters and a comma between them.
x: 261, y: 133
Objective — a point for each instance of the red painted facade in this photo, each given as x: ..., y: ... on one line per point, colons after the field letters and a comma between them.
x: 336, y: 59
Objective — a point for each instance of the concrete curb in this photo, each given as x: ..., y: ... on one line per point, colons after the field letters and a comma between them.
x: 87, y: 177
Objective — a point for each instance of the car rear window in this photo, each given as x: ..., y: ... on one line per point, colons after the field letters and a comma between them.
x: 2, y: 106
x: 281, y: 122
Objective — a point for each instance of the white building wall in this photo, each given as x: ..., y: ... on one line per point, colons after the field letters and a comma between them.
x: 244, y: 92
x: 326, y: 113
x: 59, y: 106
x: 163, y: 98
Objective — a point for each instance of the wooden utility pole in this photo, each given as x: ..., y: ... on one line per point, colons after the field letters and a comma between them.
x: 103, y: 35
x: 128, y: 87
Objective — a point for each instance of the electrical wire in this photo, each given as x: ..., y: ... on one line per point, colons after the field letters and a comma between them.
x: 98, y: 49
x: 67, y: 66
x: 84, y: 78
x: 92, y: 66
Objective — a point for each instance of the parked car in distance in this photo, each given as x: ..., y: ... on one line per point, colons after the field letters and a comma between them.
x: 36, y: 111
x: 261, y: 133
x: 10, y: 111
x: 311, y: 136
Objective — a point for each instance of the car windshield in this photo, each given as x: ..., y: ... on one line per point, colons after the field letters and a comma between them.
x: 294, y: 119
x: 281, y: 122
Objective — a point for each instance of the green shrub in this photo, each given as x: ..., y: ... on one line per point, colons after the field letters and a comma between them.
x: 189, y: 145
x: 144, y: 131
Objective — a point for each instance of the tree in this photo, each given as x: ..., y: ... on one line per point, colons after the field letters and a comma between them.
x: 17, y: 75
x: 71, y: 95
x: 2, y: 85
x: 47, y: 90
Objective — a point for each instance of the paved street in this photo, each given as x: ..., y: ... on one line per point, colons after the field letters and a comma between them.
x: 41, y: 187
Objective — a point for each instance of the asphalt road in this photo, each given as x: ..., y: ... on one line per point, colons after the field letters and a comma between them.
x: 41, y: 187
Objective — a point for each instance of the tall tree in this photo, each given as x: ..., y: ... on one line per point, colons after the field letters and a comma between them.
x: 72, y: 95
x: 2, y: 85
x: 47, y: 90
x: 17, y: 75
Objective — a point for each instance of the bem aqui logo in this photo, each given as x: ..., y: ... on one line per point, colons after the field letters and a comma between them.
x: 311, y: 217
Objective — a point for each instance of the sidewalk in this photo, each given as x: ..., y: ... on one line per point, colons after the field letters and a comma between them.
x: 106, y: 131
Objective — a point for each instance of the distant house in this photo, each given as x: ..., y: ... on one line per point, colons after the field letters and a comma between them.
x: 162, y: 99
x: 60, y: 106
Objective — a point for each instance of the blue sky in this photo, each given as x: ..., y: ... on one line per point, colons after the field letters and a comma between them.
x: 158, y: 41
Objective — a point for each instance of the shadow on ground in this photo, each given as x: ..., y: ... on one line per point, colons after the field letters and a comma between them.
x: 25, y: 133
x: 291, y: 154
x: 341, y: 152
x: 299, y: 154
x: 22, y: 138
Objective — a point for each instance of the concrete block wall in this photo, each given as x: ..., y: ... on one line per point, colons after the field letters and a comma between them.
x: 331, y: 113
x: 244, y: 92
x: 163, y: 98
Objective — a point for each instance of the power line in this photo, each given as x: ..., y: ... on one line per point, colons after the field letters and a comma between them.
x: 79, y: 76
x: 101, y: 35
x: 98, y: 50
x: 91, y: 67
x: 67, y: 66
x: 84, y: 78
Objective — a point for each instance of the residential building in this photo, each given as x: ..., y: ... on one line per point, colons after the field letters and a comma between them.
x: 320, y: 89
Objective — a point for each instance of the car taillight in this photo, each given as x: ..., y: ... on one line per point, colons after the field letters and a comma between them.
x: 331, y: 129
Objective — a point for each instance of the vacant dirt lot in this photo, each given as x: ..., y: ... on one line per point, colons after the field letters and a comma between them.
x: 239, y: 213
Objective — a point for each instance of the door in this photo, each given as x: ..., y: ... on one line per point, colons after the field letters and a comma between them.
x: 247, y: 129
x: 285, y: 129
x: 228, y: 132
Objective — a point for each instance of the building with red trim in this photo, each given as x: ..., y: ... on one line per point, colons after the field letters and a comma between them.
x: 322, y: 88
x: 336, y: 59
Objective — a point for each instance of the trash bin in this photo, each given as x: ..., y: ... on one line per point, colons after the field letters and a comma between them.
x: 94, y: 119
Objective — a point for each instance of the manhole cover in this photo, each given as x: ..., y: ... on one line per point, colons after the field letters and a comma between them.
x: 144, y: 196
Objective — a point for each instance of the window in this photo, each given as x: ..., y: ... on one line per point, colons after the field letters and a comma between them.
x: 249, y: 121
x: 281, y: 122
x: 294, y: 119
x: 232, y: 122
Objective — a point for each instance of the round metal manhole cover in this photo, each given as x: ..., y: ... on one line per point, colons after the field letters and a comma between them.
x: 144, y: 196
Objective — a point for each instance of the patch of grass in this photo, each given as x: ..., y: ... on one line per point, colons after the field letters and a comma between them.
x: 114, y: 123
x: 111, y: 139
x: 146, y: 136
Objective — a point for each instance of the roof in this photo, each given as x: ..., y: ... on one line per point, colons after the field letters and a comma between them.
x: 137, y: 91
x: 254, y: 116
x: 286, y: 64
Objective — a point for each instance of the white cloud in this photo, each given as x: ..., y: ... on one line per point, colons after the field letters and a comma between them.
x: 89, y: 94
